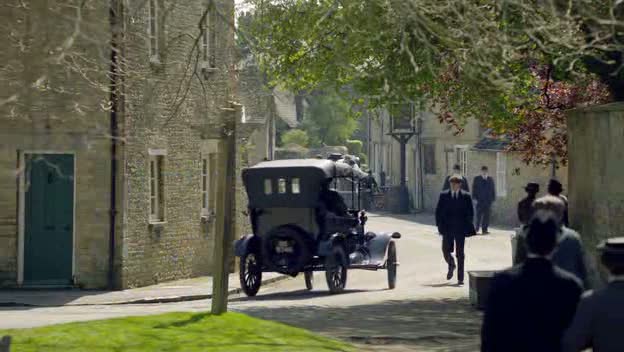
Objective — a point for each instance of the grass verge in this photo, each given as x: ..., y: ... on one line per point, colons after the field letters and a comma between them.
x: 230, y: 332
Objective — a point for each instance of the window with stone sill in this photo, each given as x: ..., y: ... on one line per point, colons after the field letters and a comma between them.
x: 208, y: 185
x: 156, y: 188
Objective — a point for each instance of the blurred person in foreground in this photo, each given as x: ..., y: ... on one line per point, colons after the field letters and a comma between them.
x: 569, y: 254
x: 599, y: 320
x: 555, y: 188
x: 531, y: 305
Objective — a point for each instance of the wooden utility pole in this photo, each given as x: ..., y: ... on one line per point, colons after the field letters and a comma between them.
x: 226, y: 197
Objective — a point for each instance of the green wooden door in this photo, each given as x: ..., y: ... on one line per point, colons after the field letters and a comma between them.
x: 49, y: 219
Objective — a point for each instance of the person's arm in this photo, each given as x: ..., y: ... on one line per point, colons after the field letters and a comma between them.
x: 493, y: 189
x: 578, y: 337
x: 520, y: 211
x: 521, y: 253
x: 492, y: 329
x: 474, y: 188
x: 438, y: 212
x: 465, y: 185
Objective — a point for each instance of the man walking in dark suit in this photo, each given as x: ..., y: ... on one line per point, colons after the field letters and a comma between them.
x: 456, y: 171
x: 484, y: 193
x: 454, y: 215
x: 600, y: 315
x: 531, y: 305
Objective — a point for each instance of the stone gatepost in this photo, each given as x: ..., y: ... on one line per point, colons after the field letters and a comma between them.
x: 596, y: 173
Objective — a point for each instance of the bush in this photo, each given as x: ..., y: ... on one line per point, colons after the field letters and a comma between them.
x: 298, y: 137
x: 355, y: 146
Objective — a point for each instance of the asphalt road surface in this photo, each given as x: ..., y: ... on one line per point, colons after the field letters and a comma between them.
x: 425, y: 312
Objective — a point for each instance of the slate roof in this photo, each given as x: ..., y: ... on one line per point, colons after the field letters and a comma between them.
x: 490, y: 143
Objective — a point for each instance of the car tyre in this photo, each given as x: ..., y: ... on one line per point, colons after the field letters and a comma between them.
x: 336, y: 270
x: 391, y: 265
x: 250, y: 273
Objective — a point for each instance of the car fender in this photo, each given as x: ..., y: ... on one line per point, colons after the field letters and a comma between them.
x: 378, y: 245
x: 242, y: 245
x: 325, y: 247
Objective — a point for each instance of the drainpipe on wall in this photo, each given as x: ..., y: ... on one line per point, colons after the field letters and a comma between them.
x: 115, y: 17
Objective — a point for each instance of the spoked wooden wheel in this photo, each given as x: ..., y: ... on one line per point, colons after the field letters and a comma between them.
x: 309, y: 279
x: 336, y: 270
x: 250, y: 274
x: 391, y: 264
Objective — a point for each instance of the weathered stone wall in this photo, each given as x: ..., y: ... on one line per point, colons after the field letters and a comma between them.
x: 596, y: 155
x: 172, y: 105
x: 53, y: 93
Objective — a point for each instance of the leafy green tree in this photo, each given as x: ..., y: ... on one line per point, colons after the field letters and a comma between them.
x: 296, y: 136
x: 465, y: 58
x: 329, y: 120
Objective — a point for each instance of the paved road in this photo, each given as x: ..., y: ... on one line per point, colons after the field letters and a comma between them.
x: 424, y: 313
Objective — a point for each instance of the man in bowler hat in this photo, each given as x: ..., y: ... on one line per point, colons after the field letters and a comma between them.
x: 525, y: 206
x: 454, y: 216
x: 484, y: 193
x: 599, y: 318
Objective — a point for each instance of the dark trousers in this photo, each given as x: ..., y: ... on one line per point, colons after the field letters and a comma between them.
x: 450, y: 242
x: 483, y: 216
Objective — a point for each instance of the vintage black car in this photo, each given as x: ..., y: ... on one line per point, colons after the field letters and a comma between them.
x: 305, y: 217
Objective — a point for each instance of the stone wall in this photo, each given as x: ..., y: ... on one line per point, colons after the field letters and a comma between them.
x: 596, y: 155
x: 173, y: 105
x: 53, y: 100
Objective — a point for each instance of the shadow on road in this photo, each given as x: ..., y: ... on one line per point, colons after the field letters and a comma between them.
x: 294, y: 295
x: 425, y: 325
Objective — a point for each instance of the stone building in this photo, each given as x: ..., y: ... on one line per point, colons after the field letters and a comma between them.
x: 595, y: 153
x: 112, y: 118
x: 430, y: 158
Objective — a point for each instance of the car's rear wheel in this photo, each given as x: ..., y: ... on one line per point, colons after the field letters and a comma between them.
x: 250, y: 273
x: 309, y: 279
x: 391, y: 264
x: 336, y: 270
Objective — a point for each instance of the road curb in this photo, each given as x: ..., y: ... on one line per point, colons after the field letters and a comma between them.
x: 149, y: 300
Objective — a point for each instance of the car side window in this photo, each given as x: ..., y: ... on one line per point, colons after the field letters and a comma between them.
x: 295, y: 186
x: 268, y: 186
x: 281, y: 185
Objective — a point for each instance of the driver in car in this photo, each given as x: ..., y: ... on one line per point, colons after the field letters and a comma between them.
x: 332, y: 200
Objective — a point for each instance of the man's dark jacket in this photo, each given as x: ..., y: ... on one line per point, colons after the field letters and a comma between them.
x: 454, y: 216
x: 529, y: 307
x: 526, y: 210
x: 483, y: 190
x: 447, y: 184
x: 599, y: 321
x: 569, y: 254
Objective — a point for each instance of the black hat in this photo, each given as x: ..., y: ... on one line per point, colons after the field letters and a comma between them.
x: 612, y: 251
x: 615, y: 245
x: 484, y: 168
x: 555, y: 186
x: 532, y: 187
x: 334, y: 156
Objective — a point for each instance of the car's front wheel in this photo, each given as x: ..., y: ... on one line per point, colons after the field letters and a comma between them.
x: 250, y: 273
x: 336, y: 270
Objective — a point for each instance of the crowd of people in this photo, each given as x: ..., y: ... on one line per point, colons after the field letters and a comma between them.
x: 544, y: 302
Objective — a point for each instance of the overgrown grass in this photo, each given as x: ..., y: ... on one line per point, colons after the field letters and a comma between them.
x: 172, y: 332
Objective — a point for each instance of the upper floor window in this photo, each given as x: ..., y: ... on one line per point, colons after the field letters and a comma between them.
x: 208, y: 38
x: 156, y: 186
x: 153, y: 32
